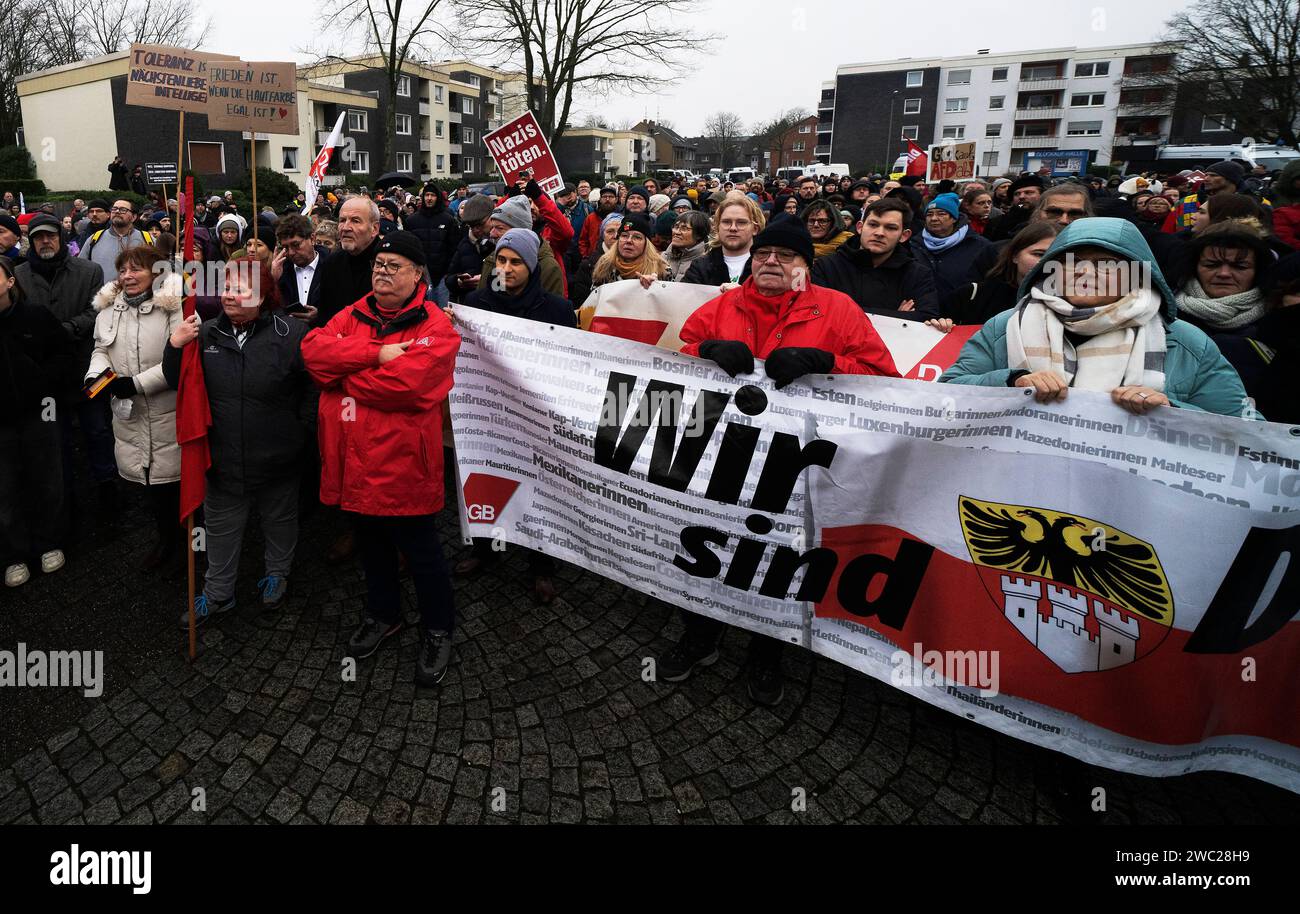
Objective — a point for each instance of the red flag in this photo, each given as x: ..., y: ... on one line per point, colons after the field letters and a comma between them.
x: 917, y: 161
x: 192, y: 413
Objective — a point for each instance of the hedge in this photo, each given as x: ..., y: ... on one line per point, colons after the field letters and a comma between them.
x: 28, y: 187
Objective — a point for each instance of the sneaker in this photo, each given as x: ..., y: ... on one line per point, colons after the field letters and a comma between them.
x: 203, y: 607
x: 681, y: 661
x: 52, y: 561
x: 273, y: 588
x: 369, y: 635
x: 17, y: 575
x: 434, y: 657
x: 766, y: 684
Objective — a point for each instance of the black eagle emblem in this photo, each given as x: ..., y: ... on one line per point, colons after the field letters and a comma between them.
x: 1077, y: 552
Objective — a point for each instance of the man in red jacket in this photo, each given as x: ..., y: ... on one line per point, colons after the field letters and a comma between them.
x: 384, y: 367
x: 798, y: 329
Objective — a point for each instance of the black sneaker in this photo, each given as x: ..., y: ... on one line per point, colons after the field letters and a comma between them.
x: 681, y: 661
x: 372, y: 633
x: 766, y: 683
x: 434, y: 658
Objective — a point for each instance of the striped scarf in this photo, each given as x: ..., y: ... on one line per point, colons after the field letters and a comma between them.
x: 1125, y: 345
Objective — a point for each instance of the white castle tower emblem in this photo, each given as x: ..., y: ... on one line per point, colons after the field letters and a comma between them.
x: 1062, y: 636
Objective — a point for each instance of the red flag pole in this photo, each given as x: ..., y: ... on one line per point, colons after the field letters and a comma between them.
x: 191, y: 304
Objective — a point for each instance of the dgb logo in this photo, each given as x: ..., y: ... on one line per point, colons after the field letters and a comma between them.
x: 484, y: 513
x: 486, y: 496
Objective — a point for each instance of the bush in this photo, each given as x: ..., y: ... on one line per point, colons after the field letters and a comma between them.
x: 30, y: 188
x: 16, y: 162
x: 273, y: 189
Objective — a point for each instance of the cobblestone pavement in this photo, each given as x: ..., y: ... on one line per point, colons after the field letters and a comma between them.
x: 545, y: 703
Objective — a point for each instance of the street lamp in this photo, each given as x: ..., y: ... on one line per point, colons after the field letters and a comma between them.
x: 892, y: 99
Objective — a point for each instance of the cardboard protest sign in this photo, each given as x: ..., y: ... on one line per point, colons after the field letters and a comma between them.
x: 161, y: 76
x: 258, y: 96
x: 519, y: 145
x: 952, y: 162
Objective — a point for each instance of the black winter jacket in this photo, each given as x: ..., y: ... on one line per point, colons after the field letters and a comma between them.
x: 954, y: 267
x: 880, y: 290
x: 70, y: 296
x: 344, y: 280
x: 439, y: 233
x: 37, y: 361
x: 711, y: 270
x: 262, y: 399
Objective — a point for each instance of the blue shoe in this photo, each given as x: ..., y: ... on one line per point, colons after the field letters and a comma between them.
x: 273, y: 588
x: 204, y: 608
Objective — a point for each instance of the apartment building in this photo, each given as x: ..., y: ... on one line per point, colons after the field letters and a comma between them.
x: 603, y: 152
x: 1018, y: 107
x: 75, y: 120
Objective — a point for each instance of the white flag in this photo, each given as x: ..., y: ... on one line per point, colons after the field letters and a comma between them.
x: 322, y: 162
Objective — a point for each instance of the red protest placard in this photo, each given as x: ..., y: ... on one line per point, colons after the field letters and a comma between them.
x: 519, y: 145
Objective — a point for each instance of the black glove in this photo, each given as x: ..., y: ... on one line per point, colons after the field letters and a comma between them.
x: 122, y: 388
x: 786, y: 365
x: 532, y: 189
x: 732, y: 356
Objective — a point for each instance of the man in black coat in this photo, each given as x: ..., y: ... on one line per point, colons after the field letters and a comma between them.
x: 296, y: 267
x: 38, y: 363
x: 466, y: 265
x: 878, y: 270
x: 439, y: 235
x: 66, y: 286
x: 345, y: 274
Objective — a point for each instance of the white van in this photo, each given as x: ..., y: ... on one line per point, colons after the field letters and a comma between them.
x: 818, y: 170
x: 1271, y: 157
x: 738, y: 175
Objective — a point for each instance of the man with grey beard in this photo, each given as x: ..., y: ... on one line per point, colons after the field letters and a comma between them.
x: 345, y: 274
x: 66, y: 287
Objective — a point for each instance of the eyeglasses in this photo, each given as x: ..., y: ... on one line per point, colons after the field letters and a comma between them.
x: 635, y: 236
x: 813, y: 220
x: 1056, y: 212
x: 388, y: 267
x: 782, y: 257
x: 121, y: 209
x: 682, y: 227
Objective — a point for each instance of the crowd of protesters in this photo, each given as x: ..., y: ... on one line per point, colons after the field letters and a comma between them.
x: 328, y: 353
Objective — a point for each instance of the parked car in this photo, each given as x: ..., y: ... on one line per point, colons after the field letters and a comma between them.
x: 491, y: 188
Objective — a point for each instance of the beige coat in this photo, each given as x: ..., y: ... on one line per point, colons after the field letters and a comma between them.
x: 131, y: 341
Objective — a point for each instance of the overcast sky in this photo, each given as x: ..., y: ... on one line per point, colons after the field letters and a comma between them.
x: 775, y: 55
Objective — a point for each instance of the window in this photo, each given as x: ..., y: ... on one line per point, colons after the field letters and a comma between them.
x: 437, y: 94
x: 911, y: 131
x: 1083, y: 128
x: 467, y: 164
x: 358, y: 120
x: 996, y: 102
x: 208, y: 158
x: 1095, y: 68
x: 596, y: 166
x: 473, y: 79
x: 466, y: 105
x: 466, y: 135
x: 990, y: 160
x: 797, y: 147
x: 1034, y: 130
x: 993, y: 130
x: 999, y: 74
x: 1048, y: 71
x: 404, y: 161
x: 404, y: 86
x: 955, y: 104
x: 915, y: 78
x: 598, y: 144
x: 1088, y: 100
x: 911, y: 106
x: 438, y: 163
x: 290, y: 156
x: 1217, y: 124
x: 805, y: 128
x: 403, y: 125
x: 360, y: 162
x: 1040, y: 100
x: 959, y: 77
x: 437, y: 128
x: 954, y: 133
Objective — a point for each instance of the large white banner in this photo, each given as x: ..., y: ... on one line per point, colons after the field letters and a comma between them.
x: 1120, y: 589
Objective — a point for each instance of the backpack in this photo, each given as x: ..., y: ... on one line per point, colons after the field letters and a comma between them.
x: 90, y: 242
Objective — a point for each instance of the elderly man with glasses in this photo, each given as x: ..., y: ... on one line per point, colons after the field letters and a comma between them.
x: 384, y: 367
x: 800, y: 330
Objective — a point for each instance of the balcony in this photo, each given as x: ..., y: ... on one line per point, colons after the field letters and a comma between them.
x: 494, y: 125
x: 426, y: 144
x: 1138, y: 139
x: 1034, y: 142
x: 453, y: 117
x: 1144, y: 109
x: 1137, y: 80
x: 1042, y: 85
x: 825, y: 128
x: 424, y: 108
x: 454, y: 149
x: 823, y: 149
x: 826, y: 104
x: 1039, y: 114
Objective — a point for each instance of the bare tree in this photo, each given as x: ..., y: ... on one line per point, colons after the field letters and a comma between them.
x: 595, y: 120
x: 773, y: 134
x: 565, y: 47
x: 22, y: 50
x: 724, y: 132
x: 1234, y: 60
x: 108, y: 26
x: 395, y: 31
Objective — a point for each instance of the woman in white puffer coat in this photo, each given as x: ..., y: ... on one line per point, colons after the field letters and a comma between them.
x: 137, y: 313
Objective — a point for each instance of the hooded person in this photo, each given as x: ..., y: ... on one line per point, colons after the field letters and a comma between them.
x: 390, y: 215
x: 826, y: 226
x: 229, y: 231
x: 439, y: 233
x: 949, y: 244
x: 475, y: 244
x: 1284, y: 194
x: 659, y: 204
x: 1069, y: 330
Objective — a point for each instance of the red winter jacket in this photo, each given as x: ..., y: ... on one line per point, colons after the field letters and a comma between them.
x: 818, y: 317
x: 380, y: 426
x: 1286, y: 224
x: 590, y: 235
x: 558, y: 229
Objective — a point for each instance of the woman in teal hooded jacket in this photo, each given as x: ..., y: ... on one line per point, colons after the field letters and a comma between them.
x: 1077, y: 325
